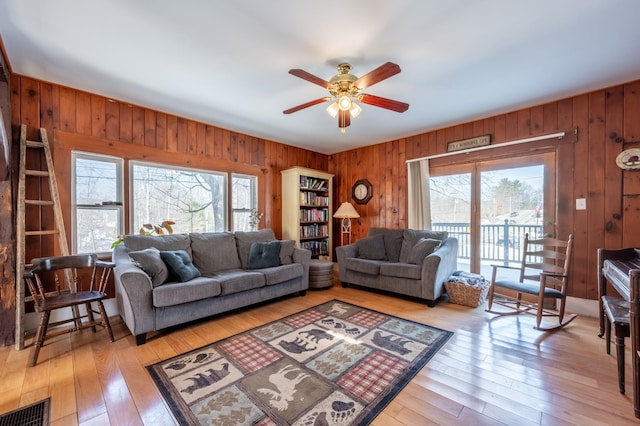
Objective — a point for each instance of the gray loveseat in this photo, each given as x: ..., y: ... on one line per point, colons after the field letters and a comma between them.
x: 410, y: 262
x: 163, y: 281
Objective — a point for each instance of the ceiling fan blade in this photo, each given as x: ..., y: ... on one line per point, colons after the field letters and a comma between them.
x: 386, y: 103
x: 310, y: 77
x: 377, y: 75
x: 344, y: 118
x: 306, y: 105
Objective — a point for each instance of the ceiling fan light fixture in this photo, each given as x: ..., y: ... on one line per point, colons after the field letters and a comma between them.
x: 345, y: 92
x: 344, y: 102
x: 333, y: 109
x: 355, y: 110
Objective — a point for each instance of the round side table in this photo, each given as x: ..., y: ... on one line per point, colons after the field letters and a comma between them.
x: 320, y: 274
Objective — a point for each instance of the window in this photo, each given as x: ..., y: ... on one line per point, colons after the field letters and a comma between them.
x: 97, y: 202
x: 244, y: 199
x: 195, y: 200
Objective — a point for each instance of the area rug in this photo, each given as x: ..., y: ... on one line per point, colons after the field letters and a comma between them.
x: 333, y: 364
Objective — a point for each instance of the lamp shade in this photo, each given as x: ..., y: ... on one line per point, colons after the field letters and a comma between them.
x: 347, y: 211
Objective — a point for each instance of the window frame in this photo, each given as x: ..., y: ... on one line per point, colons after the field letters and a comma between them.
x: 253, y: 197
x: 119, y: 201
x: 133, y: 163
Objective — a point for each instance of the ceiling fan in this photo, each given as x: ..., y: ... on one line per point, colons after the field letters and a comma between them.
x: 345, y: 92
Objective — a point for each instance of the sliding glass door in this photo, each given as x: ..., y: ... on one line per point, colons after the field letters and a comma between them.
x: 490, y: 206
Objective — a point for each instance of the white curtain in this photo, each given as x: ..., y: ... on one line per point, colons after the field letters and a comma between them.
x: 418, y: 194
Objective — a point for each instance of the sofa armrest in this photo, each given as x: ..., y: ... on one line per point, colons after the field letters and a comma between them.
x: 342, y: 254
x: 134, y: 293
x: 437, y: 267
x: 303, y: 257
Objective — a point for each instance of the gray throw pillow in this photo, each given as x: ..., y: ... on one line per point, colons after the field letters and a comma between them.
x: 264, y: 255
x: 392, y: 241
x: 423, y: 248
x: 371, y: 248
x: 180, y: 264
x: 411, y: 237
x: 286, y: 251
x: 151, y: 263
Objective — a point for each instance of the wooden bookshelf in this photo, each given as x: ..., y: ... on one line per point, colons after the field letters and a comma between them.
x: 307, y: 210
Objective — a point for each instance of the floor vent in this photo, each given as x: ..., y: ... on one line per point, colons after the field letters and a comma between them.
x: 36, y: 414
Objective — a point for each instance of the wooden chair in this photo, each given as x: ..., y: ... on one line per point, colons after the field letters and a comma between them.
x: 544, y: 275
x: 63, y: 275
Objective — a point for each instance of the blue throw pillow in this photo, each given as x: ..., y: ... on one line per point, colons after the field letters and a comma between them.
x: 264, y: 255
x: 180, y: 264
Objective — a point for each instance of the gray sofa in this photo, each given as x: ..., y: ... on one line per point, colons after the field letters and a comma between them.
x: 163, y: 281
x: 411, y: 262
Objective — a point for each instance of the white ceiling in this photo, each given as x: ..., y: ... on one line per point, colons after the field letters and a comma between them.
x: 225, y: 62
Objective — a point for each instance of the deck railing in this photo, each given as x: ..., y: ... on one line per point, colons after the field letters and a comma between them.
x: 497, y: 242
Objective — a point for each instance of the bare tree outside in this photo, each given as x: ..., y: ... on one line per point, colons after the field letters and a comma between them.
x: 194, y: 200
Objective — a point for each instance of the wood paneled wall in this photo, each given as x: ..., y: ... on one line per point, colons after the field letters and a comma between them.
x: 607, y: 120
x: 78, y: 120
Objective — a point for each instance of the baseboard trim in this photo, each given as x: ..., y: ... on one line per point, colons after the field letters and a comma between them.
x: 583, y: 307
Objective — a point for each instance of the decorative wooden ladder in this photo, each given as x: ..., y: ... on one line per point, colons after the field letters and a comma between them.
x: 34, y: 147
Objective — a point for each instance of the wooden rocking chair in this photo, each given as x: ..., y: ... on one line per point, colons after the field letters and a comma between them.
x: 544, y: 275
x: 62, y: 273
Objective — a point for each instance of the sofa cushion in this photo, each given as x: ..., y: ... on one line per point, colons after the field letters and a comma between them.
x: 401, y: 270
x: 366, y: 266
x: 149, y: 261
x: 244, y: 240
x: 282, y: 273
x: 237, y: 280
x: 392, y: 241
x: 161, y: 242
x: 180, y: 264
x: 423, y: 248
x: 175, y: 293
x: 264, y: 255
x: 411, y: 237
x: 371, y: 248
x: 214, y: 251
x: 286, y: 251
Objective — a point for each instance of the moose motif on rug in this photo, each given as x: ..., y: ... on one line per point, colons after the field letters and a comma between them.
x: 285, y: 387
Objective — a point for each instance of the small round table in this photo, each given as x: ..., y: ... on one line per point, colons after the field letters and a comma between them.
x: 320, y: 274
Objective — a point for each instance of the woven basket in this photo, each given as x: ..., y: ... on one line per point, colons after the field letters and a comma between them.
x: 467, y: 289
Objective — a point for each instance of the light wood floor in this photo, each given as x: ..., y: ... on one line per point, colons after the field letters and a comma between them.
x: 492, y: 371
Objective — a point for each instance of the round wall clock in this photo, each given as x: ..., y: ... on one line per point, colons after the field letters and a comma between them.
x: 629, y: 159
x: 362, y: 191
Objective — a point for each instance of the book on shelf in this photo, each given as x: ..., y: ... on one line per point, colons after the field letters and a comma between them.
x: 313, y: 183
